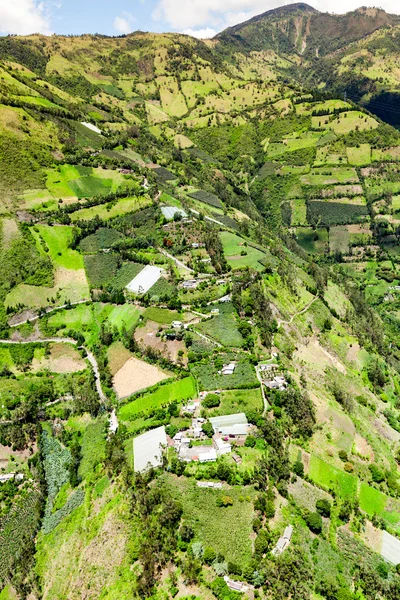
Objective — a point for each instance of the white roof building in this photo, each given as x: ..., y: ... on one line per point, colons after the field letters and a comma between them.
x: 176, y: 324
x: 170, y: 211
x: 228, y: 369
x: 144, y: 280
x: 230, y: 424
x: 148, y: 449
x: 221, y: 446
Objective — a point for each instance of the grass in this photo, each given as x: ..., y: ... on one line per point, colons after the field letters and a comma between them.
x: 330, y: 477
x: 234, y: 245
x: 69, y: 181
x: 330, y: 175
x: 312, y: 240
x: 227, y: 530
x: 359, y: 156
x: 112, y: 209
x: 372, y: 501
x: 223, y: 328
x: 125, y: 315
x: 56, y: 241
x: 161, y: 315
x: 103, y: 238
x: 234, y: 401
x: 93, y: 447
x: 178, y: 391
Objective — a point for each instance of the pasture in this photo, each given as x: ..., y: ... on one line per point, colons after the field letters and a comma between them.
x: 332, y: 478
x: 111, y: 209
x: 54, y: 241
x: 73, y: 181
x: 236, y: 401
x: 208, y: 378
x: 223, y: 327
x: 176, y: 391
x: 239, y: 254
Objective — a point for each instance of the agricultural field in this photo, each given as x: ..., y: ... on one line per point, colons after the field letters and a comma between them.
x: 223, y: 328
x: 208, y: 378
x: 179, y: 391
x: 331, y: 478
x: 227, y: 530
x: 71, y: 181
x: 239, y: 253
x: 111, y: 209
x: 236, y: 401
x: 136, y: 375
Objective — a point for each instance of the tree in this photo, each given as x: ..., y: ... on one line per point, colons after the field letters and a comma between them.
x: 314, y: 522
x: 207, y: 428
x: 211, y: 401
x: 298, y: 468
x: 186, y: 533
x: 323, y: 506
x: 209, y: 555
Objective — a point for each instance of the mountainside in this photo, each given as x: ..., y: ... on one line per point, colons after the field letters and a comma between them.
x: 199, y: 243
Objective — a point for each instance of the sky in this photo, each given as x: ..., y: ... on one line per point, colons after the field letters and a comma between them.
x: 201, y: 18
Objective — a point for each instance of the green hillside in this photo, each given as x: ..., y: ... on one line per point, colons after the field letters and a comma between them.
x: 211, y: 226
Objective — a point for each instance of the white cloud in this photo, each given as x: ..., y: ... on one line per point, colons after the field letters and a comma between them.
x: 24, y: 17
x: 124, y: 23
x: 203, y: 15
x: 202, y: 34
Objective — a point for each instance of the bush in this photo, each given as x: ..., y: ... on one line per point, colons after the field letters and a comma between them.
x: 298, y: 468
x: 250, y: 441
x: 314, y: 522
x: 342, y: 455
x: 211, y: 401
x: 224, y: 501
x: 186, y: 533
x: 209, y: 555
x: 323, y: 506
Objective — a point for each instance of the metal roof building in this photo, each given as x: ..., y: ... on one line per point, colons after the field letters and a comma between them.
x: 144, y: 280
x: 170, y: 211
x: 230, y: 424
x: 148, y: 449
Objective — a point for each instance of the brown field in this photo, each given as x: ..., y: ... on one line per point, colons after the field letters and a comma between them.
x: 136, y: 375
x: 63, y: 358
x: 146, y: 336
x: 117, y: 356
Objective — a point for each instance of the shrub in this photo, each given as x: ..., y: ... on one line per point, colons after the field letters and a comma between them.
x: 209, y: 555
x: 186, y: 533
x: 298, y: 468
x: 342, y: 455
x: 323, y: 506
x: 224, y: 501
x: 250, y: 441
x: 211, y: 401
x: 348, y: 467
x: 314, y: 522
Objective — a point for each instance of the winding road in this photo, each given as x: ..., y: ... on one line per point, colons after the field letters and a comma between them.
x: 300, y: 312
x: 89, y: 355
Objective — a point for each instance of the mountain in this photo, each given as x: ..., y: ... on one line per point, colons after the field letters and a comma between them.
x: 302, y: 29
x: 199, y: 243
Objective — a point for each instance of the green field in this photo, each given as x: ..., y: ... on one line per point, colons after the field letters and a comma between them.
x: 161, y: 315
x: 208, y: 378
x: 235, y: 401
x: 125, y: 315
x: 178, y: 391
x: 56, y: 241
x: 227, y: 530
x: 330, y: 477
x: 223, y: 327
x: 112, y: 209
x: 101, y: 269
x: 233, y: 246
x: 372, y: 501
x: 71, y: 181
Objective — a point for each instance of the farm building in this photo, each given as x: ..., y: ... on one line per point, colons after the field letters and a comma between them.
x: 169, y: 212
x: 236, y: 586
x: 148, y: 449
x: 390, y: 550
x: 277, y: 383
x: 231, y: 425
x: 198, y: 453
x: 221, y: 446
x: 190, y: 284
x: 228, y: 369
x: 283, y: 541
x: 144, y: 280
x: 217, y: 485
x: 92, y: 127
x: 176, y: 324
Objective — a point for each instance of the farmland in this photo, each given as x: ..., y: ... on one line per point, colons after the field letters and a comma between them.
x: 136, y: 375
x: 180, y: 390
x: 239, y: 254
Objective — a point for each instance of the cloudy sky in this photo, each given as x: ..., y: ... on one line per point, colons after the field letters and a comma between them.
x: 202, y: 18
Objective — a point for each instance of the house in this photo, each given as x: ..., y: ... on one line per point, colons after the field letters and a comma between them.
x: 236, y: 586
x: 216, y: 485
x: 176, y: 324
x: 230, y: 425
x: 195, y: 245
x: 283, y: 541
x: 198, y: 454
x: 222, y: 447
x: 277, y: 383
x: 9, y: 476
x: 228, y: 369
x: 225, y: 299
x: 215, y: 311
x: 271, y: 367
